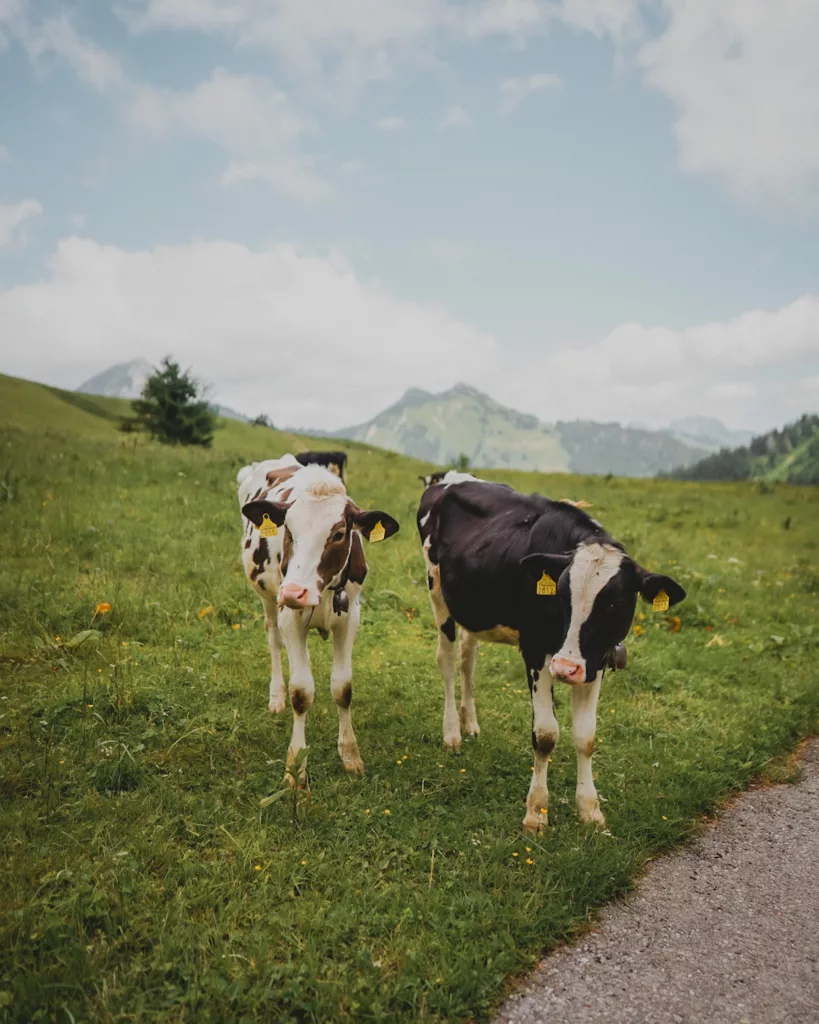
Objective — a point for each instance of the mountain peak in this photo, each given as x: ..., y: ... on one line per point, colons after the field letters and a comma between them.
x: 124, y: 380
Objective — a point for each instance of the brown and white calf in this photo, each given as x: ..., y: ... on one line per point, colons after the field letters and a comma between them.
x: 546, y: 577
x: 303, y: 556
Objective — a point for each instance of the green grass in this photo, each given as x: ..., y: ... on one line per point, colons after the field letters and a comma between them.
x: 141, y: 878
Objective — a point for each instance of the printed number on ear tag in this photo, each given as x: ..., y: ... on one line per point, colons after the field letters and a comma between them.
x: 546, y: 586
x: 660, y: 602
x: 377, y: 533
x: 268, y: 527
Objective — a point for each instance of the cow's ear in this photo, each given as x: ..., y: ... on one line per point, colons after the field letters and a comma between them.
x: 374, y: 525
x: 255, y: 511
x: 652, y: 583
x: 554, y: 565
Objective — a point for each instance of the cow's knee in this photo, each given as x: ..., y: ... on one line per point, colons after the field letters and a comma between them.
x: 544, y: 742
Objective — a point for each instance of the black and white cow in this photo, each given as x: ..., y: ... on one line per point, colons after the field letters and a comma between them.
x: 336, y: 462
x: 546, y: 577
x: 303, y: 556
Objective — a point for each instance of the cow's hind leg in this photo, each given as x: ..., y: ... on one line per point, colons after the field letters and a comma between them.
x: 468, y: 650
x: 584, y: 723
x: 341, y: 686
x: 276, y: 700
x: 545, y: 731
x: 445, y: 655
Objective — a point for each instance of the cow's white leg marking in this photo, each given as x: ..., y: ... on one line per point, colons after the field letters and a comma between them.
x: 276, y: 701
x: 341, y: 685
x: 468, y: 650
x: 302, y: 687
x: 545, y: 732
x: 584, y: 722
x: 445, y: 654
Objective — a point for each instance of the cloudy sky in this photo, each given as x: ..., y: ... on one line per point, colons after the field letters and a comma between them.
x: 601, y: 209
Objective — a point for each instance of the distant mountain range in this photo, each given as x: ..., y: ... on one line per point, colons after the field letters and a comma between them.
x: 126, y: 380
x: 790, y: 454
x: 441, y: 427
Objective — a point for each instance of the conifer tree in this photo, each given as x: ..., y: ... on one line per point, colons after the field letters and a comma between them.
x: 172, y: 408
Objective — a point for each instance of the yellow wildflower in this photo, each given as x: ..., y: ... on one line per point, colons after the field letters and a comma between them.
x: 102, y: 608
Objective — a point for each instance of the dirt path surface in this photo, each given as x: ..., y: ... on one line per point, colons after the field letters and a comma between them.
x: 724, y: 932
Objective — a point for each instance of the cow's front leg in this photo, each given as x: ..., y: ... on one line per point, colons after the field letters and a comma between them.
x: 341, y: 685
x: 302, y: 687
x: 468, y: 650
x: 584, y: 723
x: 545, y: 732
x: 276, y: 701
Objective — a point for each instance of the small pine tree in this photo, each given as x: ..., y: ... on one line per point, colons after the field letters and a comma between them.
x: 462, y: 463
x: 172, y: 408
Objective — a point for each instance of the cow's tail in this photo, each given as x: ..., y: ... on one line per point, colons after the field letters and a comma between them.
x: 243, y: 474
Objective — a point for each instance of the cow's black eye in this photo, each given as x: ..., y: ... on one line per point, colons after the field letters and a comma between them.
x: 338, y: 536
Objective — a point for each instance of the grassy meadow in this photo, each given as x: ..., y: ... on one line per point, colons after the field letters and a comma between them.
x: 141, y: 878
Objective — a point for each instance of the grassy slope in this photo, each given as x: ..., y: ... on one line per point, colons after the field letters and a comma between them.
x: 141, y: 879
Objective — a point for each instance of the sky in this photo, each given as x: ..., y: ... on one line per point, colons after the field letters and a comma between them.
x: 590, y: 209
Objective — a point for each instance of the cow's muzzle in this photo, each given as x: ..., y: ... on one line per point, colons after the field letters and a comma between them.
x: 293, y: 595
x: 568, y: 670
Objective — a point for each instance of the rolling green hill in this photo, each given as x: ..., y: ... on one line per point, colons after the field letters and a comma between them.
x: 464, y: 421
x: 790, y: 454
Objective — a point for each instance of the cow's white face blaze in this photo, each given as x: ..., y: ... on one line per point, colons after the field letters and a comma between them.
x: 592, y: 568
x: 315, y: 524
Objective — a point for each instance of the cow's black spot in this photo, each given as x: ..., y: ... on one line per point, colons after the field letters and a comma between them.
x: 248, y: 542
x: 543, y: 743
x: 429, y: 582
x: 345, y: 697
x: 261, y: 556
x: 298, y: 698
x: 448, y: 629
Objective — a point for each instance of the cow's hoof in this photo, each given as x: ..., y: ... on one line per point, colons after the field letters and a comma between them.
x: 535, y: 823
x: 452, y: 742
x: 352, y: 763
x: 277, y: 705
x: 469, y: 725
x: 589, y: 812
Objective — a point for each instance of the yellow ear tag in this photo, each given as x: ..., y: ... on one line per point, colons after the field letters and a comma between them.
x: 546, y: 586
x: 268, y: 527
x: 660, y: 602
x: 377, y: 533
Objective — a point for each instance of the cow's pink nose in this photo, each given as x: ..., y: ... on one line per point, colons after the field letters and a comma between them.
x: 565, y: 668
x: 293, y: 595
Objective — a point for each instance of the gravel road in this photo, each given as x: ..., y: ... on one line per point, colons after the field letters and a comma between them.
x: 724, y: 932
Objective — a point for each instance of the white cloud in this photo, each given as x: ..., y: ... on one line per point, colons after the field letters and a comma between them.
x: 744, y: 77
x: 391, y: 124
x: 734, y: 370
x: 299, y: 337
x: 358, y: 40
x: 456, y: 117
x: 12, y: 216
x: 58, y: 37
x: 515, y: 90
x: 304, y: 339
x: 246, y: 116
